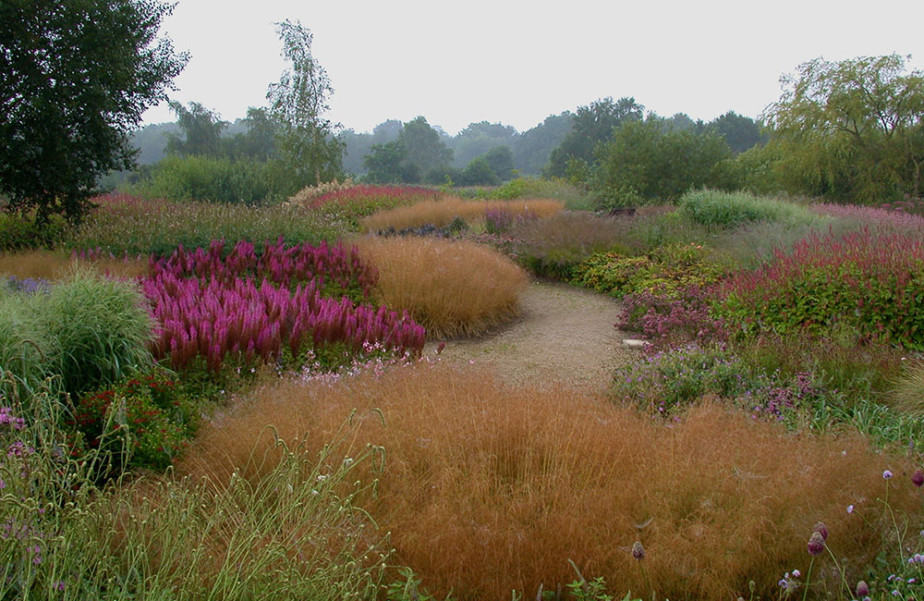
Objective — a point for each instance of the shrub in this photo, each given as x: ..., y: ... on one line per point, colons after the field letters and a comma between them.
x: 209, y: 179
x: 452, y: 288
x: 101, y: 330
x: 517, y: 481
x: 668, y: 270
x: 865, y: 281
x: 139, y: 422
x: 20, y: 232
x: 533, y: 187
x: 722, y: 210
x: 669, y: 320
x: 126, y: 225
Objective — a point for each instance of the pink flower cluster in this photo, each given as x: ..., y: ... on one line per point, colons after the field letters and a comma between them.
x: 363, y: 194
x: 221, y: 311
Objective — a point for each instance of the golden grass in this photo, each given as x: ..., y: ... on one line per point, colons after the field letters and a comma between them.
x: 487, y: 488
x: 441, y: 212
x: 54, y: 265
x: 452, y: 288
x: 907, y: 394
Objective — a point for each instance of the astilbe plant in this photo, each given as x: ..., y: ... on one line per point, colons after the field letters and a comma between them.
x: 221, y: 311
x: 335, y: 269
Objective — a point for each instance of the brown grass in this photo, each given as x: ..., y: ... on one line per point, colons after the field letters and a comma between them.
x: 450, y: 287
x: 441, y: 212
x: 54, y: 265
x: 488, y: 489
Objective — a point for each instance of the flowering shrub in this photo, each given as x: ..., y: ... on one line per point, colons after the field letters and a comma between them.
x: 139, y: 422
x: 667, y: 270
x: 667, y: 383
x: 671, y: 320
x: 871, y: 282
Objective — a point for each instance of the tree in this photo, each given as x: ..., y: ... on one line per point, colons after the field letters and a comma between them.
x: 532, y: 148
x: 75, y: 78
x: 650, y: 161
x: 500, y: 160
x: 592, y: 125
x: 387, y: 164
x: 851, y: 129
x: 740, y: 132
x: 201, y: 130
x: 423, y: 147
x: 298, y: 102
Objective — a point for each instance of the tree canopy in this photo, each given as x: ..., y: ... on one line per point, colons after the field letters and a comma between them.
x: 852, y: 129
x: 75, y: 78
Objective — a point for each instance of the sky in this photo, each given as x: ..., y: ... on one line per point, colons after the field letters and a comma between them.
x: 517, y: 62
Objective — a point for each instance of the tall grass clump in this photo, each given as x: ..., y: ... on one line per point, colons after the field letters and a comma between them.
x: 55, y: 265
x: 102, y: 329
x: 721, y: 210
x: 28, y: 355
x: 553, y: 247
x: 442, y: 212
x: 297, y: 534
x: 533, y: 187
x: 517, y: 482
x: 349, y: 203
x: 452, y: 288
x: 866, y: 281
x: 126, y: 225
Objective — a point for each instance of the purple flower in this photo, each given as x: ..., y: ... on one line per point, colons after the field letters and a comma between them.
x: 821, y: 529
x: 816, y: 543
x: 638, y: 551
x: 887, y: 474
x: 917, y: 478
x: 862, y: 589
x: 850, y: 508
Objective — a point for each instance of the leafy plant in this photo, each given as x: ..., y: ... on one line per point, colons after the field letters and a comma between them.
x: 722, y: 210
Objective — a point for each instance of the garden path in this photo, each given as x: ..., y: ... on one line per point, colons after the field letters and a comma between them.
x: 564, y: 335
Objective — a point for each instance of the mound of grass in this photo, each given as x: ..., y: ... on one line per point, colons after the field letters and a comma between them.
x: 452, y: 288
x: 442, y: 212
x: 516, y: 482
x: 720, y: 210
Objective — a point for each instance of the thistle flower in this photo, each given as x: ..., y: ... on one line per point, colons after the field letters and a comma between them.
x: 917, y: 478
x: 638, y: 551
x: 816, y: 543
x: 887, y: 475
x: 821, y: 529
x: 862, y: 589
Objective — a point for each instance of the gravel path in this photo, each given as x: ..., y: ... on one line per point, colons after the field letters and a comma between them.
x: 564, y: 335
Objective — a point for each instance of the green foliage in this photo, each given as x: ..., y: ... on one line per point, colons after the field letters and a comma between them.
x: 668, y: 270
x: 723, y: 210
x: 591, y: 125
x: 851, y: 130
x: 133, y: 226
x: 740, y: 133
x: 294, y: 534
x: 755, y: 170
x: 647, y: 161
x: 306, y: 143
x: 478, y: 173
x: 75, y: 78
x: 28, y: 355
x: 209, y: 179
x: 101, y: 329
x: 21, y: 232
x: 201, y: 131
x: 139, y: 422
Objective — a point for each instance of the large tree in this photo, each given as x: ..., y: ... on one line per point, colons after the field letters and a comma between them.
x: 75, y: 78
x: 852, y: 129
x: 592, y: 125
x: 201, y: 131
x: 298, y: 102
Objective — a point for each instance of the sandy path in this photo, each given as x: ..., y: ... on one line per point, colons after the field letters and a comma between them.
x: 563, y: 335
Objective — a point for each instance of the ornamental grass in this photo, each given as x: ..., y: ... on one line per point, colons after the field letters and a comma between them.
x: 442, y: 212
x: 452, y: 288
x: 487, y: 489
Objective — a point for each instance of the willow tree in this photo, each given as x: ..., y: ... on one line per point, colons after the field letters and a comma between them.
x: 851, y: 129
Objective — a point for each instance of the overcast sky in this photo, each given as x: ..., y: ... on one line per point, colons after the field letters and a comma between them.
x: 516, y: 62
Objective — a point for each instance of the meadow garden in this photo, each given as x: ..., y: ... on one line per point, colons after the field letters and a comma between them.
x: 218, y: 401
